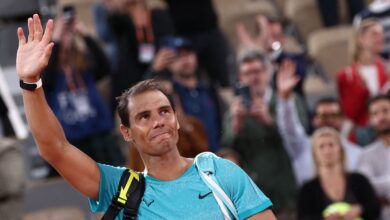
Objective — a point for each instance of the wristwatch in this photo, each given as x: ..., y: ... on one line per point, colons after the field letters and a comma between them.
x: 30, y: 86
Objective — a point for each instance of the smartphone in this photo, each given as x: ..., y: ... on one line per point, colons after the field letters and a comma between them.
x: 69, y: 13
x: 245, y: 93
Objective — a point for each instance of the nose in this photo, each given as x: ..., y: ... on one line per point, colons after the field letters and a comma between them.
x: 158, y: 121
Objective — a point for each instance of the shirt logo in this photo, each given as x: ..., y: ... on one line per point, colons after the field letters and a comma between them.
x: 148, y: 203
x: 204, y: 195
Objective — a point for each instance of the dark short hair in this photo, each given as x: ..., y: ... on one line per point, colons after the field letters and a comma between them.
x: 377, y: 98
x: 325, y: 100
x: 139, y: 88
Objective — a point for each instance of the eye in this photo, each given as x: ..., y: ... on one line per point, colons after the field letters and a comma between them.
x: 164, y: 111
x: 144, y: 117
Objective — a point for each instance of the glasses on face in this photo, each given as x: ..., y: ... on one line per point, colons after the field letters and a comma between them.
x: 325, y: 116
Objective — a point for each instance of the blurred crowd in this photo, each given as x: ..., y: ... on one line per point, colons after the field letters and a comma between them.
x: 245, y: 101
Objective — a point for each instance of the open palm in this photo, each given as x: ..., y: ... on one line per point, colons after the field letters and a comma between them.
x: 33, y: 55
x: 287, y: 78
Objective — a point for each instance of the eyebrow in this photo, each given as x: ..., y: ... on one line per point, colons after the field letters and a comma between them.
x: 164, y: 107
x: 141, y: 113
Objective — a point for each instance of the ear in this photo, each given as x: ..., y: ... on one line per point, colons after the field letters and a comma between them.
x: 126, y: 133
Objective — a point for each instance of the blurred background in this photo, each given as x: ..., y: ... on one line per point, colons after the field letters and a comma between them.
x: 129, y: 40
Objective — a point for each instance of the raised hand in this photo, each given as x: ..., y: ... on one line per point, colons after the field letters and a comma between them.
x: 287, y: 78
x: 33, y: 55
x: 163, y: 58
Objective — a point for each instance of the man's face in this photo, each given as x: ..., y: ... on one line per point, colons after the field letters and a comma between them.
x: 153, y: 124
x: 254, y: 74
x: 380, y: 116
x: 328, y: 115
x: 185, y: 63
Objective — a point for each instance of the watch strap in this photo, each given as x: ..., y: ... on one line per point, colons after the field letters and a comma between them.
x: 31, y: 86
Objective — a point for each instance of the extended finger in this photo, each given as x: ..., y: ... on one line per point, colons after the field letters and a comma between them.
x: 38, y: 30
x: 48, y: 32
x: 30, y: 25
x: 46, y: 55
x: 21, y: 37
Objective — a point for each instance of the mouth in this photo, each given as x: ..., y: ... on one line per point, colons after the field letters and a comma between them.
x: 160, y: 135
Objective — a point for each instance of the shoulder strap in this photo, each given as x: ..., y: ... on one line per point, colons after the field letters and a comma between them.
x: 205, y: 166
x: 129, y: 195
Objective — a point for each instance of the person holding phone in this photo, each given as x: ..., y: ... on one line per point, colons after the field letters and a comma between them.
x: 70, y: 80
x: 250, y: 127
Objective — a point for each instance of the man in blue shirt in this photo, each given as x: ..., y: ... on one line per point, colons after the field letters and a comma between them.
x: 148, y: 120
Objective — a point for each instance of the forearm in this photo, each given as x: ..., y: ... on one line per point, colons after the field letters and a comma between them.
x: 44, y: 126
x: 292, y: 131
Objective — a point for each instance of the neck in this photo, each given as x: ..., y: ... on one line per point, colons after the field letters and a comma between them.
x: 367, y: 58
x: 327, y: 171
x: 189, y: 82
x: 169, y: 166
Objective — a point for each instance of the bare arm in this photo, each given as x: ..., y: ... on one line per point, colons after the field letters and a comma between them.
x: 264, y: 215
x: 32, y: 57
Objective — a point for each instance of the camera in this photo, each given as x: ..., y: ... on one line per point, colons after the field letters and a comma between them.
x: 245, y: 93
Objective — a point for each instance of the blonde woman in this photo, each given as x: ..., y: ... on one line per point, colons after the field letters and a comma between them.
x: 366, y: 76
x: 333, y: 184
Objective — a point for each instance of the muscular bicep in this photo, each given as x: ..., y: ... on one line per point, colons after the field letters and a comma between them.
x: 264, y: 215
x: 79, y: 170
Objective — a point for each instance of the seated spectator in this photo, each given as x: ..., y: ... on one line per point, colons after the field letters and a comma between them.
x: 133, y: 33
x: 70, y: 85
x: 333, y: 184
x: 330, y: 13
x: 379, y: 9
x: 374, y: 161
x: 366, y: 76
x: 271, y: 38
x: 327, y: 113
x: 250, y: 128
x: 192, y: 135
x: 197, y: 98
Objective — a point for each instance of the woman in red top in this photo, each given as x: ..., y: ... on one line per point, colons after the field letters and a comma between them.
x: 366, y: 76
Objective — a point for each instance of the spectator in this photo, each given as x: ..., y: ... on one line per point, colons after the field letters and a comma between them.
x: 327, y: 113
x: 379, y: 9
x: 271, y: 38
x: 70, y: 83
x: 192, y: 135
x: 366, y: 76
x: 251, y: 130
x: 198, y: 21
x: 374, y: 161
x: 133, y: 32
x: 198, y: 99
x: 333, y: 184
x: 329, y: 10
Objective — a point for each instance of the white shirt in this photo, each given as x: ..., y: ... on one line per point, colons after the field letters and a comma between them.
x: 369, y: 74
